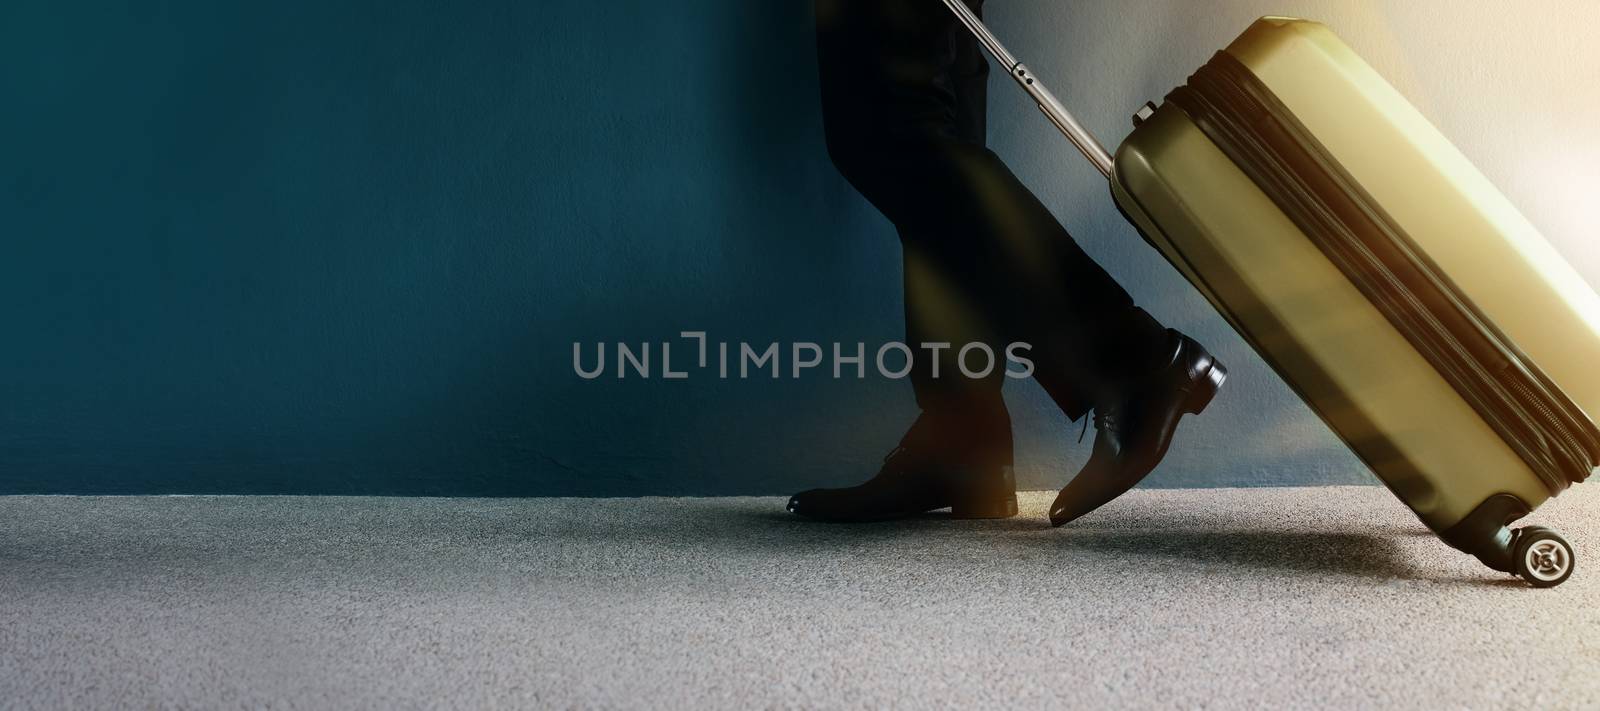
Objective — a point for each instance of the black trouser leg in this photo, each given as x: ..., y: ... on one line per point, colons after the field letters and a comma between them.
x: 904, y: 99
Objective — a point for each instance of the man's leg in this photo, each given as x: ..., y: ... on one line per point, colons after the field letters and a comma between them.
x: 898, y: 87
x: 903, y: 101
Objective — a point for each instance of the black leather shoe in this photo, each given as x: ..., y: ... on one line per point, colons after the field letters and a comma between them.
x: 942, y: 462
x: 1134, y: 428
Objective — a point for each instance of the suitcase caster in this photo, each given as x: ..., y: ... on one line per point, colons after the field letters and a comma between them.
x: 1534, y: 553
x: 1543, y: 558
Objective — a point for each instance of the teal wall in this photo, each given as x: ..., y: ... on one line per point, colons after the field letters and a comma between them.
x: 345, y: 248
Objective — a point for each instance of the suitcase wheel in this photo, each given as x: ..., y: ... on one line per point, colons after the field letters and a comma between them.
x: 1543, y: 558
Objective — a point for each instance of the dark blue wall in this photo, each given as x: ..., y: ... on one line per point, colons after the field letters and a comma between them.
x: 346, y: 247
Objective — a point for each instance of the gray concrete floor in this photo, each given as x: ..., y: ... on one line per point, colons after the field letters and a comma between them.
x: 1220, y: 598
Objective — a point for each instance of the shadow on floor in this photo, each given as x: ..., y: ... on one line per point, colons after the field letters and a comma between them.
x: 1134, y: 540
x: 1354, y: 554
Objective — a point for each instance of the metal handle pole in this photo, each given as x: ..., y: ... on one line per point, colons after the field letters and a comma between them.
x: 1047, y: 102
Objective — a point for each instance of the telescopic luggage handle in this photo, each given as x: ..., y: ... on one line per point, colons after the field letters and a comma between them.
x: 1047, y: 102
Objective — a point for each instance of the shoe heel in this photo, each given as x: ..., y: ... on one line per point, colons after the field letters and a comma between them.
x: 1206, y: 388
x: 1003, y: 508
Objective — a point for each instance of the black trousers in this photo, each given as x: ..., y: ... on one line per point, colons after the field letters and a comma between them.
x: 904, y: 95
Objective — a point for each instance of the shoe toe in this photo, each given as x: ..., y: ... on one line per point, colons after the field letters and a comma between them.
x: 1100, y: 481
x: 1068, y: 508
x: 798, y: 504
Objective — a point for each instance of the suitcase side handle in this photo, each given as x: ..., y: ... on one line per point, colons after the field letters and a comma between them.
x: 1046, y: 101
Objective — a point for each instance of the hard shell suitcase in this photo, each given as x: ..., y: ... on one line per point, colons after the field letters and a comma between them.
x: 1390, y: 284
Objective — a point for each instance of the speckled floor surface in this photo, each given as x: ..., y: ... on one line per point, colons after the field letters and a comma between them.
x: 1217, y: 598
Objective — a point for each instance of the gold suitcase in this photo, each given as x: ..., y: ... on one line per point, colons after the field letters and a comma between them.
x: 1384, y: 278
